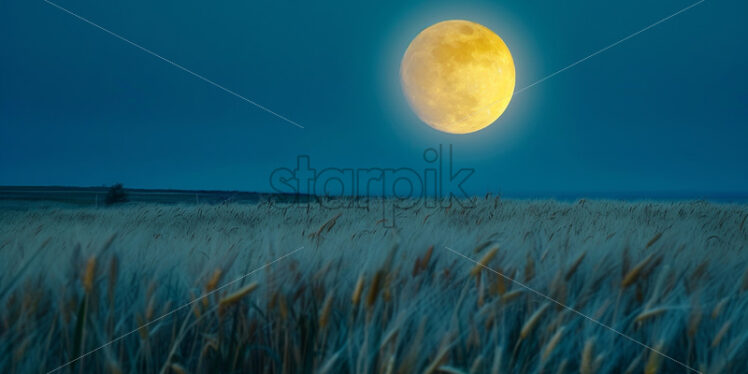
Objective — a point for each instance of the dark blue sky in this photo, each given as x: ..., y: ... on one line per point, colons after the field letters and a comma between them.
x: 664, y: 111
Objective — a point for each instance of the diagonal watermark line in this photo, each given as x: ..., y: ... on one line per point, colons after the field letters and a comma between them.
x: 538, y: 293
x: 196, y: 75
x: 573, y: 64
x: 549, y: 76
x: 171, y: 312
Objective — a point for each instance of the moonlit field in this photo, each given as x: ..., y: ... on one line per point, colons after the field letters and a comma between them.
x: 283, y: 288
x: 373, y: 187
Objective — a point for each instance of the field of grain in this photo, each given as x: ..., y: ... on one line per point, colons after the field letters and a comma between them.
x: 503, y: 287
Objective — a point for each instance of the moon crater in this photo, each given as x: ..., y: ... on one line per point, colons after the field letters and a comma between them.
x: 458, y: 76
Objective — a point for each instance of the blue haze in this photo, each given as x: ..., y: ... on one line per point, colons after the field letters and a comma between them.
x: 663, y: 113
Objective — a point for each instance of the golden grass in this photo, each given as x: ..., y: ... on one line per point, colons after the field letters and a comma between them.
x: 357, y: 290
x: 374, y: 289
x: 721, y: 334
x: 89, y: 274
x: 655, y: 360
x: 552, y: 343
x: 483, y: 263
x: 234, y: 297
x: 324, y: 314
x: 647, y: 314
x: 532, y: 321
x: 653, y: 240
x: 574, y: 266
x: 636, y: 272
x: 586, y: 365
x: 367, y: 299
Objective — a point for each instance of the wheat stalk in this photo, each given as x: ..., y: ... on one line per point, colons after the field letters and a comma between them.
x: 357, y: 290
x: 484, y: 261
x: 575, y: 265
x: 324, y: 314
x: 480, y: 247
x: 655, y: 359
x: 231, y: 299
x: 376, y: 286
x: 212, y: 284
x: 721, y: 333
x: 529, y: 268
x: 509, y: 296
x: 422, y: 263
x: 532, y: 321
x: 585, y: 366
x: 497, y: 359
x: 330, y: 364
x: 552, y: 343
x: 719, y: 307
x: 499, y: 287
x: 634, y: 273
x: 392, y: 335
x: 89, y: 275
x: 213, y: 281
x: 632, y: 366
x: 654, y: 239
x: 647, y: 314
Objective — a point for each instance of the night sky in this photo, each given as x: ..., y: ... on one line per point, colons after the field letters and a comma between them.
x: 663, y: 112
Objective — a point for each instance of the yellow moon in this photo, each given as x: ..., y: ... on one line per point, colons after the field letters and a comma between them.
x: 458, y: 76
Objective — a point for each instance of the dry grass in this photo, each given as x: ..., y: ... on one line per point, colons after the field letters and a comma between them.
x: 362, y: 298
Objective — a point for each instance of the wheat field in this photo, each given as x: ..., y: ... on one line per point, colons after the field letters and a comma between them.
x: 502, y: 287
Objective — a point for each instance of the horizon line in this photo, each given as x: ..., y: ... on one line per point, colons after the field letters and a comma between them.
x: 509, y: 194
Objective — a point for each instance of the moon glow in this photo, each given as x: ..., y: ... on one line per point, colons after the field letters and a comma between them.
x: 458, y: 76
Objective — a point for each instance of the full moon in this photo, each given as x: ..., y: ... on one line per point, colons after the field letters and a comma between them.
x: 458, y: 76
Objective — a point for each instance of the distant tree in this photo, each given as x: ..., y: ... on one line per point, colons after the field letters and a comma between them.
x: 116, y: 195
